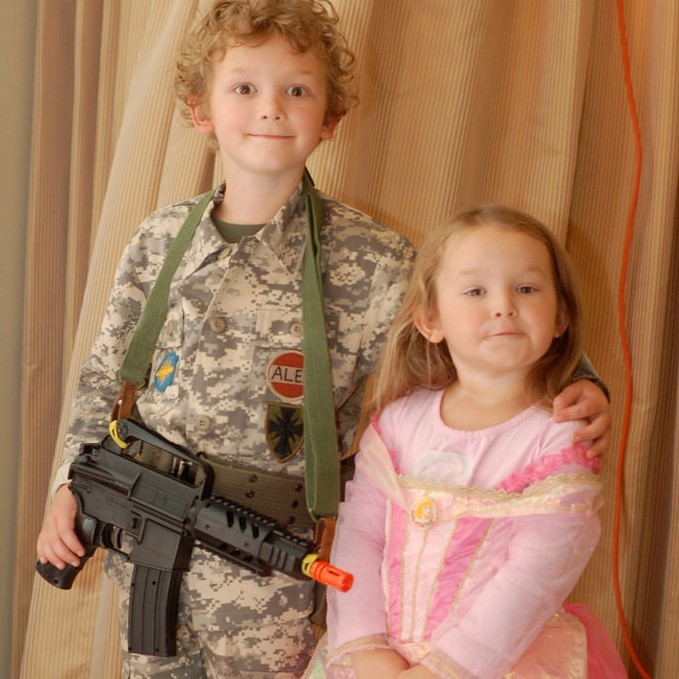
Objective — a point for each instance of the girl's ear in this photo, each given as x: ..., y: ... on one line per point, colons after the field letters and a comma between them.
x: 426, y: 321
x: 201, y: 118
x: 561, y: 323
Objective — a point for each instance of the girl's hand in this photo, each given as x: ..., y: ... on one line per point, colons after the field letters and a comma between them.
x: 380, y: 662
x: 58, y: 542
x: 583, y: 400
x: 417, y: 672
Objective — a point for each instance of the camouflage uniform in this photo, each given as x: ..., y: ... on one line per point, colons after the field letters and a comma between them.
x: 225, y: 381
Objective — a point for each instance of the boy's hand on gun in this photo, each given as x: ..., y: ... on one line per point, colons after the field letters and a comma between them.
x: 58, y: 542
x: 584, y: 400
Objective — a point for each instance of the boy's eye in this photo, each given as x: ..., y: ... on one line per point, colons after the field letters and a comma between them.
x: 296, y: 91
x: 243, y: 88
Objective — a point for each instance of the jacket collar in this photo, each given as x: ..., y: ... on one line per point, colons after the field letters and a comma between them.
x: 284, y: 236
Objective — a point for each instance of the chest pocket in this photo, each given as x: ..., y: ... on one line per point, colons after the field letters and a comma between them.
x: 172, y: 333
x: 278, y: 341
x: 279, y: 331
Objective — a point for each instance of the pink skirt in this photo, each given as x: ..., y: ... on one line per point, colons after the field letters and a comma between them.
x: 573, y: 643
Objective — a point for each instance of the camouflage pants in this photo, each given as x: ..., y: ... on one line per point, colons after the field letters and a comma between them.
x: 231, y: 624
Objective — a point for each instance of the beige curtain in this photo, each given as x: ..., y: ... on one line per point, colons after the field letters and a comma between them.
x: 462, y: 102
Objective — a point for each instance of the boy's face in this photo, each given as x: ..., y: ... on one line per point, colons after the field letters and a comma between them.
x: 267, y: 109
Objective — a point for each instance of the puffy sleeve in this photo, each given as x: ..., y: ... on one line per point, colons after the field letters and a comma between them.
x: 528, y: 563
x: 357, y: 618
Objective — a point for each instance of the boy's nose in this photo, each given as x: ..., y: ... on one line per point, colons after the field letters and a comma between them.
x: 271, y: 108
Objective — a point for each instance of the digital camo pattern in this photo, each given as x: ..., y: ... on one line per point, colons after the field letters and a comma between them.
x: 234, y: 311
x: 230, y: 624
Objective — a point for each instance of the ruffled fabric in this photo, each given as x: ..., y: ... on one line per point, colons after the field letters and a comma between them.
x: 603, y: 660
x: 453, y: 554
x: 550, y: 465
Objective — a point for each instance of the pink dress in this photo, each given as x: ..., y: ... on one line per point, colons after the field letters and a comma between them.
x: 464, y: 546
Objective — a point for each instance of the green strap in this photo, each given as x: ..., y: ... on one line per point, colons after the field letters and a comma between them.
x: 139, y: 355
x: 321, y: 454
x: 322, y: 458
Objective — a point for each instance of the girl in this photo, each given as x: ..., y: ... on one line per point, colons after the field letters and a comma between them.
x: 472, y: 514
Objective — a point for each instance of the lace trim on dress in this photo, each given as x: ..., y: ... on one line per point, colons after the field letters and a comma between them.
x: 548, y: 466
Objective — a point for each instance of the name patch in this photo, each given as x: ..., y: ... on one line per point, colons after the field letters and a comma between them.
x: 285, y: 375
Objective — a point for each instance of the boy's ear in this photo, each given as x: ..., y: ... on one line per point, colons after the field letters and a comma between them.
x: 201, y: 118
x: 328, y: 129
x: 426, y: 321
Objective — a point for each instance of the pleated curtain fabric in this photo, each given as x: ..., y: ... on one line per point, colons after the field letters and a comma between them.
x: 463, y: 102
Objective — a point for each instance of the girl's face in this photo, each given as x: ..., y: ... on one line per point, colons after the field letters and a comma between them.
x: 497, y: 306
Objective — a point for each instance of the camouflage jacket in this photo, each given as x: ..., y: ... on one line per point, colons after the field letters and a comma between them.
x: 225, y: 378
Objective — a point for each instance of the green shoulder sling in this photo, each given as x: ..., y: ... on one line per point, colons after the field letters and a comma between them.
x: 322, y: 457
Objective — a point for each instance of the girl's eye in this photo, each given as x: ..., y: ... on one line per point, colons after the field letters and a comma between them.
x: 526, y: 289
x: 243, y: 88
x: 474, y: 292
x: 296, y: 91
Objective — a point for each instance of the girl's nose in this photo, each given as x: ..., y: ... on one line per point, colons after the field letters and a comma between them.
x: 504, y: 307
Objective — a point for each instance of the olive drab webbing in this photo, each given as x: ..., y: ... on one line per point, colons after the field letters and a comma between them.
x: 321, y: 453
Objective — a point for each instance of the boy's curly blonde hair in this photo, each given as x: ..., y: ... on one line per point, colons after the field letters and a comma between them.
x: 306, y: 25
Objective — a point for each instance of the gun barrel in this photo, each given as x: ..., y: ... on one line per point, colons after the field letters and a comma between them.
x: 327, y: 574
x: 241, y: 535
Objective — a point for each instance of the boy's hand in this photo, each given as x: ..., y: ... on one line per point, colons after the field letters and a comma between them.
x: 584, y: 400
x: 58, y: 542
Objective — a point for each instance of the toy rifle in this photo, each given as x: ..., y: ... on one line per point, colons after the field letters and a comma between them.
x: 154, y: 517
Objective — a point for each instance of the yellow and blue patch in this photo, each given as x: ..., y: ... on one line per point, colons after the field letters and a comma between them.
x: 164, y: 374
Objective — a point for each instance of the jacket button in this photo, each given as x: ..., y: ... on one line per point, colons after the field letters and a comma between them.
x: 218, y: 324
x: 203, y: 422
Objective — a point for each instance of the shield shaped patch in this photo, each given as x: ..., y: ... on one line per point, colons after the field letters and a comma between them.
x: 284, y: 430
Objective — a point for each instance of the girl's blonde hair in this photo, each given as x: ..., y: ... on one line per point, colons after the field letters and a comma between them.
x: 411, y: 361
x: 306, y: 25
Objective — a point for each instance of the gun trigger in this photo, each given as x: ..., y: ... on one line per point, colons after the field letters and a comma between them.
x: 113, y: 431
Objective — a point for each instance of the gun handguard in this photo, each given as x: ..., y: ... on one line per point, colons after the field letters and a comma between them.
x: 153, y: 518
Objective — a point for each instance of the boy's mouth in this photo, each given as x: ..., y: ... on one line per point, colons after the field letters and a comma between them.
x: 271, y: 136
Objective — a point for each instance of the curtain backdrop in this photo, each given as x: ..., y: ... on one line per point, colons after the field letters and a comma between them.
x: 514, y: 101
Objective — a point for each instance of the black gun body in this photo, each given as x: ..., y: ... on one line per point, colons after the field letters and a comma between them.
x: 153, y: 519
x: 249, y: 539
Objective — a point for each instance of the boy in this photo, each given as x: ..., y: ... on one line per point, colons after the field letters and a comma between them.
x: 268, y: 81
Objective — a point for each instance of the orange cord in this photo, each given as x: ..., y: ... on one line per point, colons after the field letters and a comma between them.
x: 623, y: 337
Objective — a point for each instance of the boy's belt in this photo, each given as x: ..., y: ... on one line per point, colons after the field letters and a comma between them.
x: 278, y: 496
